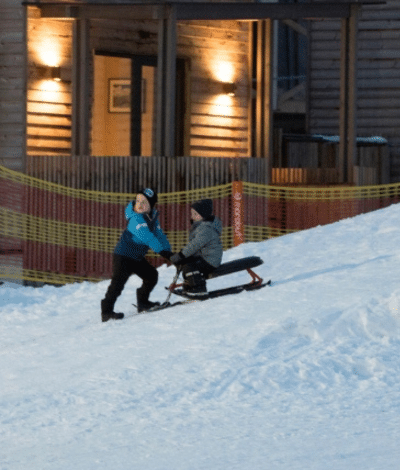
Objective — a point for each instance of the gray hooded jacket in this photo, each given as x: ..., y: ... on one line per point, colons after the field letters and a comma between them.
x: 205, y: 241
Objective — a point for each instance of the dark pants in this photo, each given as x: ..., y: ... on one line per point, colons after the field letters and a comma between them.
x: 123, y: 268
x: 195, y: 264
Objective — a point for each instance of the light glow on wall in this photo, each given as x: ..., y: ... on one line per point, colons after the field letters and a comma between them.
x: 48, y: 93
x: 48, y: 50
x: 223, y: 71
x: 222, y: 105
x: 49, y: 85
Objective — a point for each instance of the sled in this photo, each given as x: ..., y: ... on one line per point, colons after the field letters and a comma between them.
x: 223, y: 270
x: 229, y: 268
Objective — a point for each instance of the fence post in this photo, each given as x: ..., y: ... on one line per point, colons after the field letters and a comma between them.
x: 238, y: 213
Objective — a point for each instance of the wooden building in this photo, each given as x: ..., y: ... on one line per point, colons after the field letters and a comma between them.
x: 377, y: 90
x: 194, y: 79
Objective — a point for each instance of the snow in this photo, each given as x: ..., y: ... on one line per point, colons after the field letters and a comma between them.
x: 375, y: 139
x: 300, y: 375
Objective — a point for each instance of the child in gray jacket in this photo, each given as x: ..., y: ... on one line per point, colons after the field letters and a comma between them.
x: 203, y: 254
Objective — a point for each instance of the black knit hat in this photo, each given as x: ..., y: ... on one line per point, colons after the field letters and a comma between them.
x: 150, y: 195
x: 203, y: 207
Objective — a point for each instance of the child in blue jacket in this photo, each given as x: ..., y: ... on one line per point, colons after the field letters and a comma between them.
x: 143, y: 231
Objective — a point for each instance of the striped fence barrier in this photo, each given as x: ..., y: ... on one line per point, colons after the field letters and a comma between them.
x: 56, y: 234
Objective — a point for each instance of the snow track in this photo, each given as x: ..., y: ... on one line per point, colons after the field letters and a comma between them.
x: 302, y: 375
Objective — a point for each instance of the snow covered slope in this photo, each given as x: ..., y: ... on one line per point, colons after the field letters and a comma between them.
x: 300, y: 375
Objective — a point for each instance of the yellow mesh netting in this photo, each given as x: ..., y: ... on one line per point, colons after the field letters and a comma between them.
x: 55, y: 234
x: 321, y: 192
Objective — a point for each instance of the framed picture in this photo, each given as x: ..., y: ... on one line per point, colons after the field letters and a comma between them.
x: 119, y: 95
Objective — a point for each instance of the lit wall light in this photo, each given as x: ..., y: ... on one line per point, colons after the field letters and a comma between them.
x: 229, y: 88
x: 56, y: 73
x: 49, y: 73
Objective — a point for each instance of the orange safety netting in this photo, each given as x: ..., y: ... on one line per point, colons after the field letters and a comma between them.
x: 55, y: 234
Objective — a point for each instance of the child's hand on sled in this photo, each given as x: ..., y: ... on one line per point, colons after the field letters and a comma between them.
x: 177, y: 259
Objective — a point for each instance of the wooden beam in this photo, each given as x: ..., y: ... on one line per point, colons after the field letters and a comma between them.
x: 259, y: 65
x: 198, y: 10
x: 268, y: 87
x: 170, y: 82
x: 263, y: 89
x: 260, y: 11
x: 296, y: 27
x: 166, y: 83
x: 80, y: 88
x: 101, y: 11
x: 352, y: 105
x: 25, y: 88
x: 348, y: 94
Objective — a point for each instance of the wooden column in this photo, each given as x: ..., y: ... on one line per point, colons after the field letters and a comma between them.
x: 166, y: 83
x: 80, y: 88
x: 268, y: 87
x: 263, y: 105
x: 348, y: 94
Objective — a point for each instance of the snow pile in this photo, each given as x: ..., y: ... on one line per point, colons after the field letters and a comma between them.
x: 300, y: 375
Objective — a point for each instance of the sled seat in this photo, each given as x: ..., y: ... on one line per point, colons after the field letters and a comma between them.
x: 235, y: 266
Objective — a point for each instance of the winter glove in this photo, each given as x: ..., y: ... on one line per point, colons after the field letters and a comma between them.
x: 166, y: 254
x: 177, y: 258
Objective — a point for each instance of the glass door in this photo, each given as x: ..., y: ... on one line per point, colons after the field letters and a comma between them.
x: 125, y: 103
x: 143, y: 105
x: 111, y: 111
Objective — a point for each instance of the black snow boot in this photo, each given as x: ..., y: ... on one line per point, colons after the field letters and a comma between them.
x: 143, y: 302
x: 195, y: 285
x: 107, y: 312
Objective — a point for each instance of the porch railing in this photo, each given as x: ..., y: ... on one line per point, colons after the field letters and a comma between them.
x: 130, y: 174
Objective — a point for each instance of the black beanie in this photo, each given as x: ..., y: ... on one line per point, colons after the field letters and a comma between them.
x: 150, y: 195
x: 203, y: 207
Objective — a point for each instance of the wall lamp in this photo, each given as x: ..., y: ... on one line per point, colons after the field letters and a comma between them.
x: 56, y: 73
x: 49, y: 73
x: 229, y: 88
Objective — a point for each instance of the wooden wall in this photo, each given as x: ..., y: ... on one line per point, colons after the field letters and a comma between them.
x: 12, y: 96
x: 378, y: 98
x: 48, y: 103
x: 218, y: 51
x: 213, y: 131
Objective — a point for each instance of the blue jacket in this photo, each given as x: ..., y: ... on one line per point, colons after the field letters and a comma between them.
x: 143, y: 231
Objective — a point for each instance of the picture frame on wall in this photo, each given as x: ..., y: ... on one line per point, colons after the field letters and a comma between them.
x: 119, y: 95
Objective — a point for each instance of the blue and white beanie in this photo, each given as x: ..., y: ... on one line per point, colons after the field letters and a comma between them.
x: 150, y: 195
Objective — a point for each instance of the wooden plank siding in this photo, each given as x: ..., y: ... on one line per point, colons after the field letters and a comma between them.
x: 49, y: 110
x: 215, y: 129
x: 12, y: 96
x: 378, y: 77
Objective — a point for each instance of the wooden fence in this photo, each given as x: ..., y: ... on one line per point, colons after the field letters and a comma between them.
x: 130, y: 174
x: 301, y: 161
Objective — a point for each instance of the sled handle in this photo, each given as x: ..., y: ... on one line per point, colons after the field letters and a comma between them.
x: 173, y: 284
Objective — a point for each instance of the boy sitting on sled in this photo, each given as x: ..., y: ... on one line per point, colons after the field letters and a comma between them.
x: 203, y: 254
